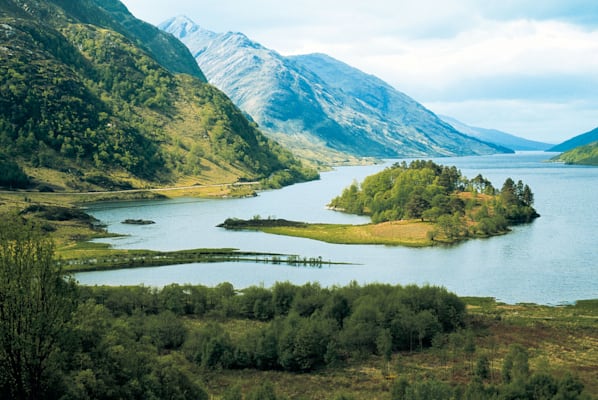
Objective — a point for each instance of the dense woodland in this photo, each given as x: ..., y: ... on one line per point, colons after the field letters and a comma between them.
x: 81, y: 99
x: 428, y: 191
x: 59, y: 340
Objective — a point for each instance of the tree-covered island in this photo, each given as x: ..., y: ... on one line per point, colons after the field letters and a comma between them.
x: 416, y: 204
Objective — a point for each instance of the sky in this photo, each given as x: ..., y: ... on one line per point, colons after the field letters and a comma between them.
x: 527, y: 67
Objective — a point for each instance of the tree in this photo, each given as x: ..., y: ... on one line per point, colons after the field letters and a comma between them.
x: 541, y: 386
x: 337, y: 307
x: 303, y: 342
x: 283, y: 294
x: 469, y: 347
x: 450, y: 226
x: 527, y: 196
x: 169, y: 381
x: 508, y: 192
x: 210, y: 347
x: 482, y: 368
x: 399, y: 388
x: 426, y: 325
x: 36, y: 303
x: 12, y: 175
x: 428, y: 389
x: 416, y: 206
x: 166, y: 330
x: 569, y: 388
x: 516, y: 366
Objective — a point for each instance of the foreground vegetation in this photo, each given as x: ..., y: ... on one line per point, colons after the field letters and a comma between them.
x: 59, y: 340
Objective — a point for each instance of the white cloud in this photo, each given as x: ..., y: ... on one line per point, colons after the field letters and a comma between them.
x: 513, y: 48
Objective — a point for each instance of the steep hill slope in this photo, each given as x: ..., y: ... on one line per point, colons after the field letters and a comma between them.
x: 165, y: 49
x: 581, y: 155
x: 495, y: 136
x: 579, y: 140
x: 82, y: 105
x: 320, y: 98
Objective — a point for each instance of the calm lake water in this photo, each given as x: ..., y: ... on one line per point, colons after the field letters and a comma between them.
x: 551, y: 261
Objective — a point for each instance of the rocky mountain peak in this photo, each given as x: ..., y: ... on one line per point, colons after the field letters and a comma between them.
x: 322, y: 100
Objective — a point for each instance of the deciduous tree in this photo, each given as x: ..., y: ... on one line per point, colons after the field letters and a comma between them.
x: 36, y: 303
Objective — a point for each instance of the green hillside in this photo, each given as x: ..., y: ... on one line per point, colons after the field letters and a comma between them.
x: 91, y: 97
x: 113, y: 15
x: 582, y: 155
x: 576, y: 141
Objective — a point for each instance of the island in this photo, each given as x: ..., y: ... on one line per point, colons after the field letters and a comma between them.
x: 417, y: 204
x: 137, y: 222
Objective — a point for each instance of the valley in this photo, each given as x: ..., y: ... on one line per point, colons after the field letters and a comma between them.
x: 206, y: 218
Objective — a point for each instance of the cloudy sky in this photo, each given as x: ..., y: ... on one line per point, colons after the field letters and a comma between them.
x: 527, y: 67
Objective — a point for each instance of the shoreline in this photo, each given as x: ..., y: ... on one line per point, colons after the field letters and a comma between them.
x: 409, y: 233
x: 112, y: 259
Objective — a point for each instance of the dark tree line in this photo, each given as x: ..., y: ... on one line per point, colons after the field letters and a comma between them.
x: 308, y: 326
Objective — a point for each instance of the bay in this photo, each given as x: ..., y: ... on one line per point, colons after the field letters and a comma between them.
x: 553, y: 260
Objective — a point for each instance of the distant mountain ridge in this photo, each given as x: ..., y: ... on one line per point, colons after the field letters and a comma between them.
x: 579, y: 140
x: 321, y: 99
x: 495, y: 136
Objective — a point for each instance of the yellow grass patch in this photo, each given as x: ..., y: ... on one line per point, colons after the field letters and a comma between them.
x: 406, y: 233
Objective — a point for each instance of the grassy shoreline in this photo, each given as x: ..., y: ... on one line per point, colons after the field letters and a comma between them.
x: 400, y: 233
x: 409, y: 233
x: 71, y: 229
x: 110, y: 259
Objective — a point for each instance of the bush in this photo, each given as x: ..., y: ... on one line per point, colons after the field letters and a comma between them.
x: 166, y: 330
x: 12, y: 176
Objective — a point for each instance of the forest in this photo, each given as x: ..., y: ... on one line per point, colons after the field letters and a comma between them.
x: 61, y: 340
x: 459, y: 207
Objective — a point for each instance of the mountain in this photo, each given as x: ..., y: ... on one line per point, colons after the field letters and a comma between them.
x: 581, y: 155
x: 495, y: 136
x: 579, y: 140
x: 91, y: 97
x: 165, y: 49
x: 319, y: 100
